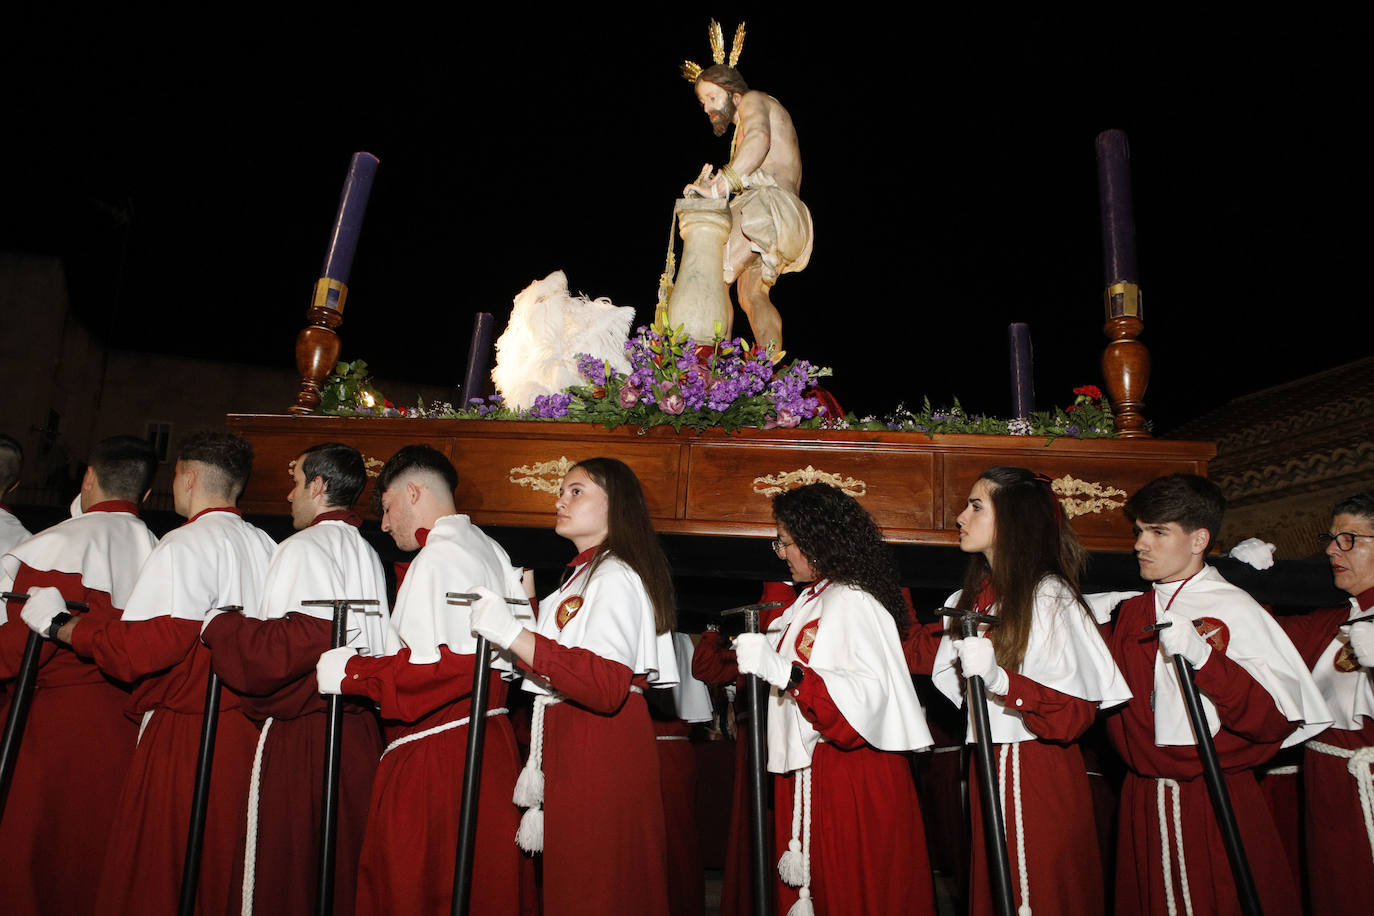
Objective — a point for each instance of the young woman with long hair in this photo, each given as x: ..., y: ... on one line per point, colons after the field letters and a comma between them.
x: 602, y: 638
x: 842, y: 714
x: 1047, y: 672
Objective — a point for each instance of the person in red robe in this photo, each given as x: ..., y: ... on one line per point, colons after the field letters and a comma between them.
x: 76, y: 712
x: 214, y: 560
x: 422, y: 684
x: 1338, y: 765
x: 1258, y: 697
x: 841, y: 716
x: 1047, y: 671
x: 268, y: 655
x: 591, y: 784
x: 12, y: 531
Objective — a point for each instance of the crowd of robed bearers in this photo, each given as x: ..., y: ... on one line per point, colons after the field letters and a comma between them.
x: 571, y: 816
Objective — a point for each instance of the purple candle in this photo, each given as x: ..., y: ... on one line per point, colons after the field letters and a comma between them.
x: 1118, y: 215
x: 1022, y: 370
x: 343, y: 241
x: 479, y: 356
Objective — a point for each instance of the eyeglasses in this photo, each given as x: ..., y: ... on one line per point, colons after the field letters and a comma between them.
x: 779, y: 545
x: 1345, y: 540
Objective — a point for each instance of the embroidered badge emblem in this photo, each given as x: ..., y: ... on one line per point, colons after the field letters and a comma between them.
x: 806, y: 639
x: 1214, y: 631
x: 1345, y: 660
x: 567, y: 610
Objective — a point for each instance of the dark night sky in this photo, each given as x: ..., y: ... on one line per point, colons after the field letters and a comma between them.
x: 187, y: 169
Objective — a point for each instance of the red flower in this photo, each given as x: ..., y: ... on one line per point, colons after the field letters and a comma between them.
x: 1091, y: 391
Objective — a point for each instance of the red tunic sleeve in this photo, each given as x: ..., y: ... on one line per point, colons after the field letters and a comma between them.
x: 1051, y: 715
x: 1243, y: 705
x: 260, y: 657
x: 407, y: 692
x: 1312, y: 632
x: 921, y: 643
x: 712, y: 663
x: 590, y: 681
x: 127, y: 650
x: 816, y: 705
x: 14, y: 635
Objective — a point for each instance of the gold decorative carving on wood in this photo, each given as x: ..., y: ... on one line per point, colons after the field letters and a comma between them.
x: 542, y: 476
x: 1101, y: 496
x: 773, y: 484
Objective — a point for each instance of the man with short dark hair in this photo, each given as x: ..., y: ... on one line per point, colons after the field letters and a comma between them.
x: 423, y: 687
x: 268, y: 654
x: 76, y: 719
x: 1338, y: 765
x: 214, y: 560
x: 1258, y: 697
x: 12, y: 531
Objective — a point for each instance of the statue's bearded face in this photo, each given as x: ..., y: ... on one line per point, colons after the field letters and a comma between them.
x: 718, y: 104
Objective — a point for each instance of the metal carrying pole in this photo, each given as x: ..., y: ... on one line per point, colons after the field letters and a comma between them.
x: 195, y: 835
x: 472, y: 769
x: 755, y: 698
x: 21, y: 700
x: 995, y: 828
x: 333, y: 728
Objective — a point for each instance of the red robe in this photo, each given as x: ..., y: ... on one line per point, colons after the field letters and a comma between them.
x: 1252, y: 731
x: 715, y: 664
x: 75, y: 752
x: 408, y: 853
x: 1338, y: 857
x: 142, y: 871
x: 1063, y: 856
x: 272, y: 662
x: 604, y: 843
x: 868, y: 847
x: 677, y: 768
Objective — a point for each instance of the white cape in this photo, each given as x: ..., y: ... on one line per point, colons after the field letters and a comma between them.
x: 107, y: 549
x: 1065, y: 652
x: 1256, y: 643
x: 858, y: 655
x: 456, y: 557
x: 328, y: 560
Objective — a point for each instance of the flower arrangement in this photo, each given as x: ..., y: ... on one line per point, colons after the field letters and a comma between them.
x: 676, y: 381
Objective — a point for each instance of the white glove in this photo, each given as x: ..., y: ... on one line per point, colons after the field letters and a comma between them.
x: 754, y: 655
x: 1103, y: 603
x: 1259, y: 554
x: 329, y: 670
x: 978, y: 659
x: 491, y: 617
x: 45, y: 603
x: 1362, y: 641
x: 1182, y: 639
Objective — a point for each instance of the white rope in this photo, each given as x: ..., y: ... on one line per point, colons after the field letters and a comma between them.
x: 250, y: 852
x: 456, y: 723
x: 795, y: 865
x: 672, y: 738
x: 1023, y: 870
x: 1160, y: 786
x: 1289, y: 770
x: 529, y: 788
x: 1358, y: 763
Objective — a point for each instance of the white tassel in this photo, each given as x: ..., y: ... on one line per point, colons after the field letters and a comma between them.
x: 1023, y: 910
x: 792, y: 867
x: 803, y: 906
x: 530, y: 836
x: 529, y: 788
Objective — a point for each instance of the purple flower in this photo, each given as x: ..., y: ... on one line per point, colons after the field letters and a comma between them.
x: 629, y: 396
x: 551, y: 406
x: 787, y: 419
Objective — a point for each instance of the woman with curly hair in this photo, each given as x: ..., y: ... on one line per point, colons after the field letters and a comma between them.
x: 591, y: 785
x: 1047, y: 671
x: 841, y: 716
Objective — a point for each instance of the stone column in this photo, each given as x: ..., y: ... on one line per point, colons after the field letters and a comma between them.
x: 700, y: 297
